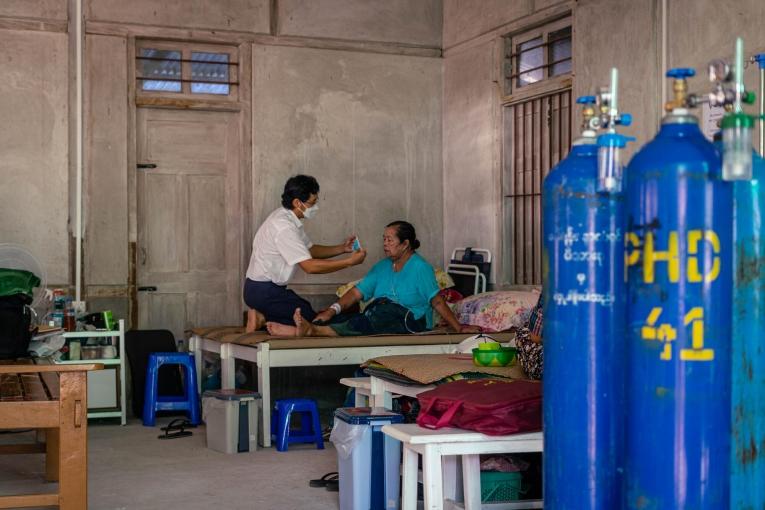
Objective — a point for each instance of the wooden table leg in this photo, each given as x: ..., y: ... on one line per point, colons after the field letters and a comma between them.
x: 73, y: 460
x: 471, y: 480
x: 409, y: 479
x: 432, y: 480
x: 52, y: 447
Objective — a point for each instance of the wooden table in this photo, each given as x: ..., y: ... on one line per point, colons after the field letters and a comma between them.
x: 52, y: 398
x: 436, y: 445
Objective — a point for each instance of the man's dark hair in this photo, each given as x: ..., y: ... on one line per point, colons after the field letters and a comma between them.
x: 300, y: 187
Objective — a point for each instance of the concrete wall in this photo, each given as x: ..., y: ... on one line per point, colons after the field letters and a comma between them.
x: 400, y: 21
x: 46, y: 10
x: 367, y: 127
x: 34, y: 195
x: 231, y: 15
x: 596, y: 51
x: 471, y: 150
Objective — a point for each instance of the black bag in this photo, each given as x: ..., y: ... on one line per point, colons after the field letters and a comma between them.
x: 15, y: 318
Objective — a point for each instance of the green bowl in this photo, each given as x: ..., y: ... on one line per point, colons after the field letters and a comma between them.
x: 497, y: 358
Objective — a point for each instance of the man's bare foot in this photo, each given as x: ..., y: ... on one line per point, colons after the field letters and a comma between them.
x: 276, y: 329
x: 303, y: 327
x: 255, y: 321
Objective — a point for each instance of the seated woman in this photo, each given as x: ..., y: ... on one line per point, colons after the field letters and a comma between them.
x: 528, y: 341
x: 403, y: 290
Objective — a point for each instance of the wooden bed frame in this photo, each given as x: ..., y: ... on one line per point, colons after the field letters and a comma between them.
x: 267, y: 351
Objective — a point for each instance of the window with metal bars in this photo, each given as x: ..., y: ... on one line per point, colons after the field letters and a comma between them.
x: 536, y: 56
x: 179, y: 69
x: 537, y: 135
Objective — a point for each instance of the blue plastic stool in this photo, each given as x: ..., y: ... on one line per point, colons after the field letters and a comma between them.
x: 310, y: 429
x: 153, y: 402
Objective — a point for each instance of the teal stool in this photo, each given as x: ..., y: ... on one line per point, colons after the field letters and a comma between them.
x: 310, y: 428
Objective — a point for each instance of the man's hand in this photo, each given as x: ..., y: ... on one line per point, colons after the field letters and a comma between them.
x: 348, y: 244
x: 357, y: 257
x: 325, y: 315
x: 466, y: 328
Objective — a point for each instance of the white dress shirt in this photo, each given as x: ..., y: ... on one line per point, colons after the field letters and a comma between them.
x: 279, y: 245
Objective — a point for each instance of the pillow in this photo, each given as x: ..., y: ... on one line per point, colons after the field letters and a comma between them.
x: 497, y: 311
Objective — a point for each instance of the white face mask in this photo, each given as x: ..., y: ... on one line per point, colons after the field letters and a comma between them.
x: 310, y: 212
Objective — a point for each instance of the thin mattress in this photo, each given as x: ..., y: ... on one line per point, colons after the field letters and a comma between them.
x: 236, y: 335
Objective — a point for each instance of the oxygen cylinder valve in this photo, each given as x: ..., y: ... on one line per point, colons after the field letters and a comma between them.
x: 679, y: 88
x: 588, y: 114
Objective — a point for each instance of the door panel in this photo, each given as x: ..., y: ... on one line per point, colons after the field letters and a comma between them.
x: 164, y: 250
x: 207, y: 242
x: 189, y: 226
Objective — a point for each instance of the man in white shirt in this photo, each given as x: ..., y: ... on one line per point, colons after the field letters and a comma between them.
x: 281, y: 244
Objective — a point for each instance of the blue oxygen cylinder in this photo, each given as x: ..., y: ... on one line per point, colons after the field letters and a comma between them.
x: 583, y: 279
x: 679, y: 267
x: 748, y: 341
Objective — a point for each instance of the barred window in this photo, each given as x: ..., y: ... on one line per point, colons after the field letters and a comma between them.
x: 537, y: 55
x: 180, y: 69
x: 536, y: 136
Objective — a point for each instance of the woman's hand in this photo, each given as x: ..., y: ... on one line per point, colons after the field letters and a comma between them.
x: 324, y: 316
x: 467, y: 328
x: 357, y: 257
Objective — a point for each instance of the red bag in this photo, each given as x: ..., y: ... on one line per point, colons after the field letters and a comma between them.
x: 491, y: 406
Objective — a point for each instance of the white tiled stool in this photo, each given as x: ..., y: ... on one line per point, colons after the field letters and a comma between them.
x: 433, y: 445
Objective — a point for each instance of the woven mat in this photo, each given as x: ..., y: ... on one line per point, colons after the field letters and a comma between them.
x: 429, y: 368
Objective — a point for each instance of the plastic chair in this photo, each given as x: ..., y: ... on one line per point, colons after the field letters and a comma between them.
x: 310, y: 428
x: 153, y: 402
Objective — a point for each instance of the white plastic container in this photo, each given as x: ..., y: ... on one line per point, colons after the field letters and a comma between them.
x: 231, y: 418
x: 368, y: 460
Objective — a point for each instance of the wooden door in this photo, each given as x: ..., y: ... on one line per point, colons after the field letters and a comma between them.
x: 188, y: 217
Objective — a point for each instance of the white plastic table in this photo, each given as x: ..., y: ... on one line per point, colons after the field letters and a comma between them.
x: 383, y: 391
x: 361, y: 386
x: 434, y: 445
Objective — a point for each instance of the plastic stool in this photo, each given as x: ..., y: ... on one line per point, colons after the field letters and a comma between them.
x: 187, y: 402
x: 310, y: 429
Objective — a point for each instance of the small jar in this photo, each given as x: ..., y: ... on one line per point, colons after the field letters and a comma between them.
x: 70, y: 324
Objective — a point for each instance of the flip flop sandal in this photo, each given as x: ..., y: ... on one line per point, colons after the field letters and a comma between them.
x: 324, y: 480
x: 176, y: 429
x: 178, y: 424
x: 333, y: 485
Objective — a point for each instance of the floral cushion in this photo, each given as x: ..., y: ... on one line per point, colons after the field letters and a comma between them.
x: 497, y: 311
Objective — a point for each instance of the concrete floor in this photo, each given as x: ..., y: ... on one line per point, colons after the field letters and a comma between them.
x: 129, y: 468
